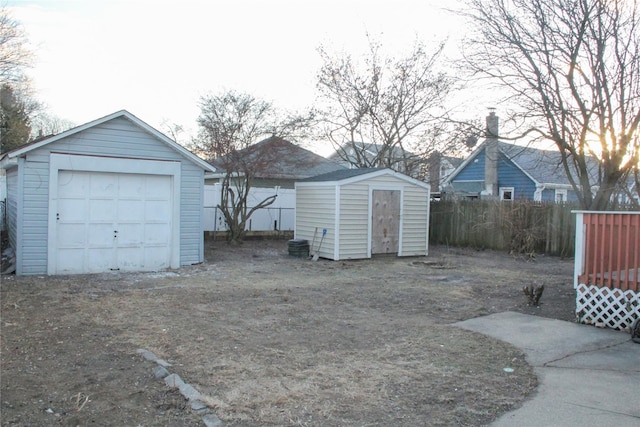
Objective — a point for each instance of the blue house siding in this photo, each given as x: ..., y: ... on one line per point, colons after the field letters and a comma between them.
x: 549, y: 195
x: 509, y: 175
x: 474, y: 171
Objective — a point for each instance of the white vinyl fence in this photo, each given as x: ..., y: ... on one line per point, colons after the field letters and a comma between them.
x: 278, y: 216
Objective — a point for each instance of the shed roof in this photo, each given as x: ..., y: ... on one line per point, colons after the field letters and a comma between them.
x: 339, y: 175
x: 18, y: 152
x: 347, y: 176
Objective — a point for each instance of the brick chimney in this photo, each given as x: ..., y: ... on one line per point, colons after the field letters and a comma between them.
x: 491, y: 156
x: 435, y: 160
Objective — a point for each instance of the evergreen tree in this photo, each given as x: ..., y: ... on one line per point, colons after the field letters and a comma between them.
x: 15, y: 127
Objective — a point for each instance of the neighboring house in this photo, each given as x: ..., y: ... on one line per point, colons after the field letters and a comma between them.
x: 629, y: 196
x: 354, y: 155
x: 277, y: 164
x: 441, y: 167
x: 365, y: 212
x: 434, y: 169
x: 112, y: 194
x: 506, y: 171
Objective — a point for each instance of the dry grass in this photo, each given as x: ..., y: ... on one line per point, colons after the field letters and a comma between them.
x: 275, y: 340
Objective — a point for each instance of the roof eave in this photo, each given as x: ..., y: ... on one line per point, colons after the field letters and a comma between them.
x: 358, y: 178
x: 7, y: 162
x: 122, y: 113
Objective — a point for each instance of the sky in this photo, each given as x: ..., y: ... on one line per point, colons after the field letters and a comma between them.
x: 157, y: 58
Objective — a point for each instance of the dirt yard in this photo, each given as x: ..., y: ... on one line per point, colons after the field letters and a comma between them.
x: 274, y: 340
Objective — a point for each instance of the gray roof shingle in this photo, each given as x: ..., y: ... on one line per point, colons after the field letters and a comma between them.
x: 277, y: 158
x: 545, y: 166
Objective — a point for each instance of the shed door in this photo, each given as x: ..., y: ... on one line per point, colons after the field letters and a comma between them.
x: 112, y: 221
x: 385, y: 233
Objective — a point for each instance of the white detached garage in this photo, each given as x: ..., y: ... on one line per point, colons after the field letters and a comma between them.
x: 364, y: 212
x: 111, y: 195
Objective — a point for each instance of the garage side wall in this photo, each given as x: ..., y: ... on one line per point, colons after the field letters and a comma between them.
x: 115, y: 138
x: 316, y: 207
x: 191, y: 214
x: 33, y: 218
x: 12, y: 207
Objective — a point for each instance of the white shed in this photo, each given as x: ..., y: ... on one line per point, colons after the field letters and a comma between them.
x: 112, y: 194
x: 365, y: 212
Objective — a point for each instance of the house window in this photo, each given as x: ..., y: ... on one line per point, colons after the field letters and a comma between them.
x: 506, y: 193
x: 561, y: 196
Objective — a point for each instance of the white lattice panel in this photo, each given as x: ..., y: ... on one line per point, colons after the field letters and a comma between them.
x: 611, y: 308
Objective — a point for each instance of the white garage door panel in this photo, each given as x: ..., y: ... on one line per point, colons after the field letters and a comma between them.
x: 155, y: 187
x: 113, y: 221
x: 99, y: 235
x: 130, y: 235
x: 74, y: 210
x: 130, y: 259
x: 131, y: 210
x: 151, y: 255
x: 97, y: 260
x: 72, y: 185
x: 103, y: 185
x: 157, y: 211
x: 154, y: 235
x: 69, y: 262
x: 71, y: 236
x: 101, y: 210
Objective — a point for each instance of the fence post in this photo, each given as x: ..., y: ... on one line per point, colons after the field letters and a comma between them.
x: 579, y: 248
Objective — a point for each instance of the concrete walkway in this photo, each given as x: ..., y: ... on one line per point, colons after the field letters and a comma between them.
x: 587, y: 376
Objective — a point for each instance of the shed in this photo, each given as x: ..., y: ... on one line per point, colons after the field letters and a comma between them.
x: 365, y: 212
x: 113, y: 194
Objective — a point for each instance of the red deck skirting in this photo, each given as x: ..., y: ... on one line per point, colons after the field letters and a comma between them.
x: 612, y: 252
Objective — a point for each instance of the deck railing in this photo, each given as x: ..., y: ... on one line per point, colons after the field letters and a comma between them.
x: 609, y: 253
x: 607, y: 263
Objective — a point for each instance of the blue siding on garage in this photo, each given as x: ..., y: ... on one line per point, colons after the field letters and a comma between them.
x: 12, y: 206
x: 119, y: 138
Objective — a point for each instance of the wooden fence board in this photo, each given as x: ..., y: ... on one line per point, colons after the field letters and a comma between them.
x: 517, y: 226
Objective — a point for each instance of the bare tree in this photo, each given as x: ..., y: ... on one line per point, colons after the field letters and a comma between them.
x: 571, y: 71
x: 385, y: 112
x: 17, y: 105
x: 14, y: 56
x: 229, y: 124
x: 15, y: 126
x: 45, y: 124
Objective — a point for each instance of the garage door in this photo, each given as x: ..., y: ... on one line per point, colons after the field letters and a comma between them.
x: 112, y: 222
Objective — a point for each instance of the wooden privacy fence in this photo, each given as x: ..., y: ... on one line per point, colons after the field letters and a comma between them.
x: 520, y: 227
x: 607, y: 263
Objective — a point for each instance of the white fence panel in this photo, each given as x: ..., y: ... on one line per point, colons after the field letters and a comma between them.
x: 278, y: 216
